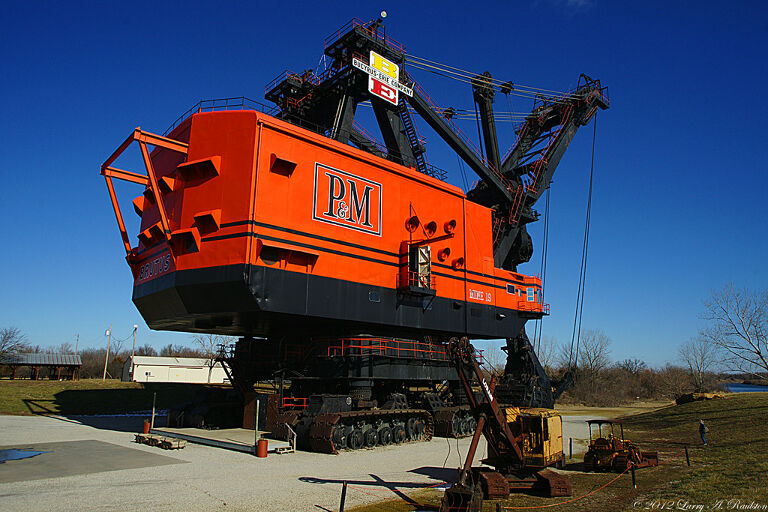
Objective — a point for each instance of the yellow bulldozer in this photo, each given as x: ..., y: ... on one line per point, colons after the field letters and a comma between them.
x: 609, y: 452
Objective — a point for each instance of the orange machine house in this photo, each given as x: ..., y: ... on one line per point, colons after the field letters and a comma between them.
x: 256, y: 227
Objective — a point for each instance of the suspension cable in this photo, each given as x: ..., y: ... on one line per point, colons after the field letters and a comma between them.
x: 463, y: 72
x: 477, y: 118
x: 578, y: 315
x: 467, y: 114
x: 468, y: 80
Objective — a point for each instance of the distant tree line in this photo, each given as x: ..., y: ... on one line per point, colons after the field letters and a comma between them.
x: 202, y: 346
x: 731, y: 346
x: 600, y: 381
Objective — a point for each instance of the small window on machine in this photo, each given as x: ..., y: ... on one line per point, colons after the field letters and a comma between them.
x: 420, y: 266
x: 530, y: 294
x: 510, y: 288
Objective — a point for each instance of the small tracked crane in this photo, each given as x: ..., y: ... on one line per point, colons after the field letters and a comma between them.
x: 522, y: 443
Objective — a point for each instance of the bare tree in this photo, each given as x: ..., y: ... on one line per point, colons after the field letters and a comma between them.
x: 12, y: 340
x: 699, y: 356
x: 673, y: 381
x: 738, y: 324
x: 564, y: 357
x: 494, y: 360
x: 546, y: 350
x: 633, y: 366
x: 146, y: 350
x: 210, y: 345
x: 172, y: 350
x: 594, y: 350
x: 64, y: 348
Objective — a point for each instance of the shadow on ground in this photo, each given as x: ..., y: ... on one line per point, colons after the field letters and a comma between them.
x: 376, y: 483
x: 123, y: 409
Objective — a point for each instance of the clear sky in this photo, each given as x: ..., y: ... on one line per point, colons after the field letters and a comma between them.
x: 679, y: 205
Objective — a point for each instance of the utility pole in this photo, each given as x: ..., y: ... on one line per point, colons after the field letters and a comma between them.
x: 133, y: 350
x: 109, y: 341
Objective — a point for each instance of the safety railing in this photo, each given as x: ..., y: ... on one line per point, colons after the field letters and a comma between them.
x: 360, y: 347
x: 285, y: 75
x: 292, y: 402
x: 524, y: 305
x: 369, y: 28
x: 426, y: 281
x: 234, y: 103
x: 388, y: 347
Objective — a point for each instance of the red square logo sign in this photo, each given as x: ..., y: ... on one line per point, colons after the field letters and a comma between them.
x: 383, y: 91
x: 346, y: 200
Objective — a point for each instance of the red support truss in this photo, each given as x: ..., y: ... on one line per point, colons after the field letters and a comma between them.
x: 150, y: 179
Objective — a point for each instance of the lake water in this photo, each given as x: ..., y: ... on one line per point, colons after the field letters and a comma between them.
x: 744, y: 388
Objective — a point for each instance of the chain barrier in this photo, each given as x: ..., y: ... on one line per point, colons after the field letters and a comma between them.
x: 548, y: 505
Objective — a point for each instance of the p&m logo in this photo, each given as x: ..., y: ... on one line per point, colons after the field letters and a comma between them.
x: 347, y: 200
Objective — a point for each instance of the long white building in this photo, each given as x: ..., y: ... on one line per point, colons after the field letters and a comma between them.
x: 188, y: 370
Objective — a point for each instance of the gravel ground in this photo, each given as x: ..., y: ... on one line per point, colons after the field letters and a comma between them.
x: 213, y: 479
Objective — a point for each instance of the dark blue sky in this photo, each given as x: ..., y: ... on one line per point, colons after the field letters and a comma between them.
x: 679, y: 204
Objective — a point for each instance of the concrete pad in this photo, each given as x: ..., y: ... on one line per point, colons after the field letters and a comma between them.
x: 70, y: 458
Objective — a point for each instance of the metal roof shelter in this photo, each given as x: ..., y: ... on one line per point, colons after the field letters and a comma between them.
x: 60, y: 366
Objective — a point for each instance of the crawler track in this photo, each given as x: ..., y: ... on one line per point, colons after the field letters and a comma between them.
x: 454, y: 422
x: 354, y: 430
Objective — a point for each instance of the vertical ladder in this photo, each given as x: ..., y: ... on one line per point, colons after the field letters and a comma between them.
x: 413, y: 137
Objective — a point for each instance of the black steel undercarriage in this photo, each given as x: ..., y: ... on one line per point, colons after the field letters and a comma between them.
x: 369, y: 391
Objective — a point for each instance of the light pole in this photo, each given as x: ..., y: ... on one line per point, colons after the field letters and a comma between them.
x: 109, y: 341
x: 133, y: 350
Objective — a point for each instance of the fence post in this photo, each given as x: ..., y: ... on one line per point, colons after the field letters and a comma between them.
x: 687, y: 458
x: 255, y: 425
x: 154, y: 400
x: 570, y: 448
x: 343, y: 496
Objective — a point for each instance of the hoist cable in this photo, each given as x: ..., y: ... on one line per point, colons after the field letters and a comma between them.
x: 543, y: 268
x: 463, y: 174
x: 576, y: 336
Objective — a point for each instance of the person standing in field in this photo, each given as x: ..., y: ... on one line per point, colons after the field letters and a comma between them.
x: 702, y: 432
